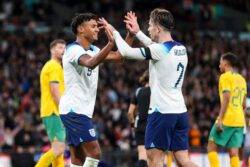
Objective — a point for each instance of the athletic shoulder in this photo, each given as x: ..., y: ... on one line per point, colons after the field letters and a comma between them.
x: 225, y: 76
x: 74, y: 46
x: 170, y: 45
x: 159, y: 50
x: 242, y: 78
x: 50, y: 64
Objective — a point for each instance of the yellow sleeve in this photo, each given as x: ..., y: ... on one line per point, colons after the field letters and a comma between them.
x: 54, y: 73
x: 245, y: 87
x: 225, y: 83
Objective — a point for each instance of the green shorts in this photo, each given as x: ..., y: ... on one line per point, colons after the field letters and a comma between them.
x: 54, y: 128
x: 230, y: 137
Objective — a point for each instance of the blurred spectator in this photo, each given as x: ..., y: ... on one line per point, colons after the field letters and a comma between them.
x: 195, y: 136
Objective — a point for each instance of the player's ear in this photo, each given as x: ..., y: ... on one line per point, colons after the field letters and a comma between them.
x: 80, y: 29
x: 158, y: 28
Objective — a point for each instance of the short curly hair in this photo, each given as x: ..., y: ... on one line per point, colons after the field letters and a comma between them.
x: 81, y: 18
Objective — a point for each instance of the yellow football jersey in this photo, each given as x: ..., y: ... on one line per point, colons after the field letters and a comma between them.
x: 236, y: 85
x: 51, y: 72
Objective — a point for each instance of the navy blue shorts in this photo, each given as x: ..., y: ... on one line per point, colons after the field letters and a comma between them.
x: 79, y: 128
x: 167, y: 132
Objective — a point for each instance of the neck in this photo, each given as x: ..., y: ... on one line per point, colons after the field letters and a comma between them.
x: 165, y: 37
x: 229, y: 69
x: 146, y: 85
x: 84, y: 42
x: 55, y: 58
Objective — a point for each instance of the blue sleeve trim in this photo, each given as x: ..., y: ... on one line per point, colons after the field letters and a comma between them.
x: 143, y: 54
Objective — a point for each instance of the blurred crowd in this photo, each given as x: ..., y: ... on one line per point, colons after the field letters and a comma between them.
x: 43, y: 14
x: 24, y: 51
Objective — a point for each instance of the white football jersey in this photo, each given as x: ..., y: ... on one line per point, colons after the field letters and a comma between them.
x: 80, y: 82
x: 167, y: 68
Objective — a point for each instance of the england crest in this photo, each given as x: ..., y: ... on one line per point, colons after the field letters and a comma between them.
x: 92, y: 132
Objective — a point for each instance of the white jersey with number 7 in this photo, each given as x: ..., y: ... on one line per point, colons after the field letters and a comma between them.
x: 167, y: 66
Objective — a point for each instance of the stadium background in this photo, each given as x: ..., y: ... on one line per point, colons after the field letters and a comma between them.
x: 206, y: 28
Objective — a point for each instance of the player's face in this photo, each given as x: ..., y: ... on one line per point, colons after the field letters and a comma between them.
x: 152, y: 29
x: 58, y: 50
x: 222, y: 66
x: 90, y: 30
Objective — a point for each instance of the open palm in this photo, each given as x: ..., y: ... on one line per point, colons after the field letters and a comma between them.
x: 131, y: 23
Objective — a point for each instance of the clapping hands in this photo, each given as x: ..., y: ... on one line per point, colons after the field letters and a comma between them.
x: 108, y: 28
x: 131, y: 23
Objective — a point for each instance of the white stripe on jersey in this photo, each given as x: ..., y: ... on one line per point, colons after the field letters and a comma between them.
x: 80, y: 82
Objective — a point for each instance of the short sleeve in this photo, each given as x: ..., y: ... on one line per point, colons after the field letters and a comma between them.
x: 75, y: 52
x: 134, y: 97
x: 54, y: 73
x: 225, y: 83
x: 245, y: 87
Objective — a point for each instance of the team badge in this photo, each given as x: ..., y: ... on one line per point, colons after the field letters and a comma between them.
x: 92, y: 132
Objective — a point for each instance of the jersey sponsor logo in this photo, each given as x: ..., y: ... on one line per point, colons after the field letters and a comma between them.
x: 92, y: 132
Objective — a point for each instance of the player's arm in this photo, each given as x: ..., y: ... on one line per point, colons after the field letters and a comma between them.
x: 244, y: 104
x: 225, y: 84
x: 224, y: 104
x: 115, y: 56
x: 129, y: 52
x: 54, y: 89
x: 91, y: 62
x: 54, y: 83
x: 133, y: 107
x: 143, y: 38
x: 134, y: 28
x: 132, y: 112
x: 144, y: 53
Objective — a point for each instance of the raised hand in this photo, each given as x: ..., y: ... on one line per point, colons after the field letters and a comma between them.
x: 108, y: 28
x: 109, y: 34
x: 104, y: 23
x: 131, y: 22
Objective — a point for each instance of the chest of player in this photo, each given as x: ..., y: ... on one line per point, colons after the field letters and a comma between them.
x: 86, y: 72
